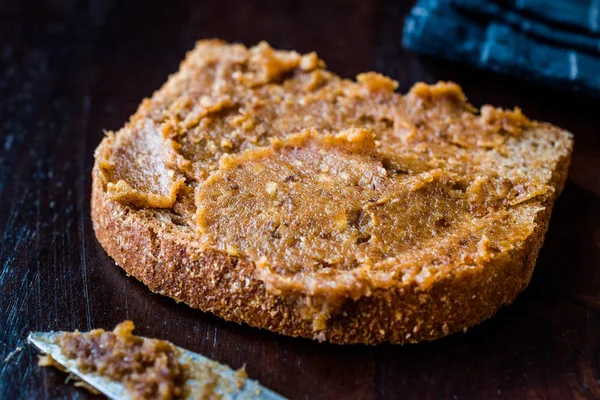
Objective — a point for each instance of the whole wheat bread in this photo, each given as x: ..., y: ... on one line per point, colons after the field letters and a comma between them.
x: 260, y: 187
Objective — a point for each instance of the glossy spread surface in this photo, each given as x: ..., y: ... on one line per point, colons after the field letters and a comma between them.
x: 330, y: 187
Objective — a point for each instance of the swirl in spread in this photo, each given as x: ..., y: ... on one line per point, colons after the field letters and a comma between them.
x: 331, y: 187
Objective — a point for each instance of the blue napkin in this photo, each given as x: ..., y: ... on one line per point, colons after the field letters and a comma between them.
x: 579, y: 14
x: 531, y: 39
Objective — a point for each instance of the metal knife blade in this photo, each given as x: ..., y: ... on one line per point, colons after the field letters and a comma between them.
x: 46, y: 342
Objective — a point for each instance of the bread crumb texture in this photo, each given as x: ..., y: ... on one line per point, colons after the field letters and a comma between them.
x: 331, y: 189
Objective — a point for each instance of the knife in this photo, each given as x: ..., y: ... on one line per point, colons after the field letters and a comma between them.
x: 227, y: 387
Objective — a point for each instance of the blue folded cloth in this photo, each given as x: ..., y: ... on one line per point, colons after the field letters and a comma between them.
x: 579, y: 14
x: 512, y: 37
x: 540, y: 29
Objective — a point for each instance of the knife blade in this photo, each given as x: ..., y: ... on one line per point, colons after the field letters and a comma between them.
x: 115, y: 390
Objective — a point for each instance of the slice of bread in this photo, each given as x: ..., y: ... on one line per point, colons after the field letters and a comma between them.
x: 260, y: 187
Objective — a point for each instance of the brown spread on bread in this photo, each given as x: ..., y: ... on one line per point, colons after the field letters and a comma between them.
x: 331, y: 188
x: 321, y: 214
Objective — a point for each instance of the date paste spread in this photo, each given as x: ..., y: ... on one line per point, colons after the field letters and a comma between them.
x: 330, y: 187
x: 148, y: 368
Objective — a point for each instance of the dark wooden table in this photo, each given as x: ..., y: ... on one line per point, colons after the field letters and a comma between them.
x: 70, y: 69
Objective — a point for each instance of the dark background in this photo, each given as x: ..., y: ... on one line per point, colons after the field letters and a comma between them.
x: 70, y: 69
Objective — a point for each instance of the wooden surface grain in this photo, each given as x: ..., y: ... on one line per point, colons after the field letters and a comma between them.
x: 69, y: 69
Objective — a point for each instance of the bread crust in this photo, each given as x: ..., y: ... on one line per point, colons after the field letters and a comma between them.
x: 225, y: 285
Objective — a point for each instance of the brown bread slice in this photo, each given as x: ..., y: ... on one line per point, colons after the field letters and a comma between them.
x: 260, y: 187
